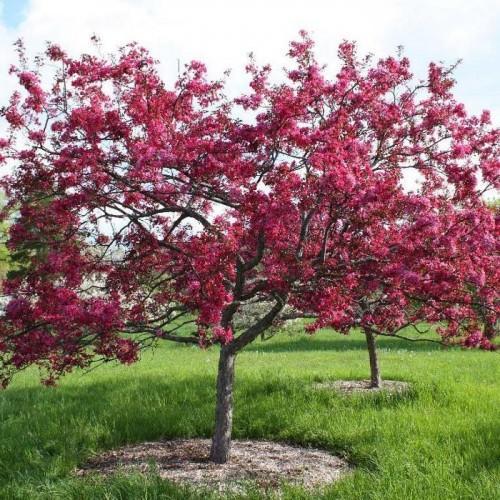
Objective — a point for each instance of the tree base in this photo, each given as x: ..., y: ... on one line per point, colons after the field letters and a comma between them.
x: 364, y: 386
x: 261, y: 464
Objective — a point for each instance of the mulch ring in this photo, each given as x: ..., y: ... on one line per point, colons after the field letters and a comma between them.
x: 363, y: 386
x: 263, y: 464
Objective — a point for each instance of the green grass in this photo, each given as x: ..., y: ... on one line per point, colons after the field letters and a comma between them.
x: 439, y: 441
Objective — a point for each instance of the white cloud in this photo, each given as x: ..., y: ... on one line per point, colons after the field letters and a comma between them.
x: 222, y: 32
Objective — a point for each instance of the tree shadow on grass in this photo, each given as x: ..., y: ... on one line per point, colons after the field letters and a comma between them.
x: 46, y: 433
x: 486, y: 456
x: 341, y: 343
x: 283, y: 410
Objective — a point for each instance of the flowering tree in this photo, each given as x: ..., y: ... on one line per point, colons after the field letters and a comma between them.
x: 4, y: 254
x: 432, y: 281
x: 150, y: 213
x: 489, y: 320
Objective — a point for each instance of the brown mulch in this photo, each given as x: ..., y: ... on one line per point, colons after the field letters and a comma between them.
x: 264, y: 464
x: 363, y: 386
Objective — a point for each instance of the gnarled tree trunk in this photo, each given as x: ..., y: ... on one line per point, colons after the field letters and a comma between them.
x: 221, y: 440
x: 375, y: 378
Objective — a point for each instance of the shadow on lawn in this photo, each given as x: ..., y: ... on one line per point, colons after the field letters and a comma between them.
x: 54, y: 429
x: 47, y: 432
x: 340, y: 343
x: 486, y: 456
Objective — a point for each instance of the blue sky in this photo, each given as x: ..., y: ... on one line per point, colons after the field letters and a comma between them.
x: 13, y: 12
x: 222, y: 32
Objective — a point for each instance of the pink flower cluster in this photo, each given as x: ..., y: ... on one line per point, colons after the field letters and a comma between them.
x: 144, y: 209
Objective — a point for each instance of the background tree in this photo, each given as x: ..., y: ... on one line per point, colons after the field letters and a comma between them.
x: 440, y: 278
x: 4, y: 254
x: 436, y: 242
x: 152, y: 213
x: 488, y: 318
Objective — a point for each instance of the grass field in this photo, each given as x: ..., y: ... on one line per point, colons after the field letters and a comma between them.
x: 439, y: 441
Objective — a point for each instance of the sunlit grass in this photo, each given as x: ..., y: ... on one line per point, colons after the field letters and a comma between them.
x: 440, y: 440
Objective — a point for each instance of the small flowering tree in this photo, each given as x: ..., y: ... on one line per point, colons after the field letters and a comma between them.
x: 149, y: 213
x: 430, y: 255
x: 432, y: 281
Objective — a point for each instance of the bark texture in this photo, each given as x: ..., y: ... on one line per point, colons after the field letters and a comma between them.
x: 375, y: 378
x: 221, y: 440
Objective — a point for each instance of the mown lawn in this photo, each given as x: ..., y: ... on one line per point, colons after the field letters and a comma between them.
x: 441, y: 440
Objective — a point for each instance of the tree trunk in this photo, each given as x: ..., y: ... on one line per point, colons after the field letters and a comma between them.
x: 489, y: 330
x: 375, y: 379
x: 221, y: 440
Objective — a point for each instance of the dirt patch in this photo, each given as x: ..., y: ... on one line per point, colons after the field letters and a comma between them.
x: 261, y: 463
x: 363, y: 386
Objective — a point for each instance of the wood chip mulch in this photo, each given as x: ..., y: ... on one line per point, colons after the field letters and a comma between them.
x: 363, y: 386
x: 263, y: 464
